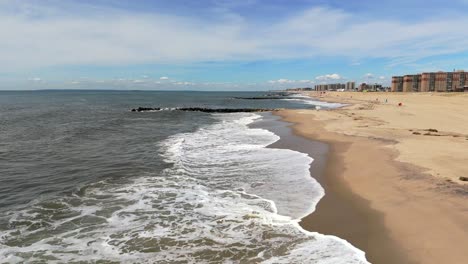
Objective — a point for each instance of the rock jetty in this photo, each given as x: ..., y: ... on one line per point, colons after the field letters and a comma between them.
x: 264, y: 98
x: 204, y: 109
x: 145, y: 109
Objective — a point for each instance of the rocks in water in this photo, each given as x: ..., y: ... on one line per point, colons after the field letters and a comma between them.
x: 463, y: 178
x: 143, y: 109
x: 223, y: 110
x: 206, y: 110
x: 269, y: 96
x: 263, y: 98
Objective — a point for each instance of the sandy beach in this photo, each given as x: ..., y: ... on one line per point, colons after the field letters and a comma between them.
x: 391, y: 174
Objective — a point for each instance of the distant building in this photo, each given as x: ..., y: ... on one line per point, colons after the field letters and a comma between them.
x: 362, y: 87
x: 320, y: 87
x: 330, y: 87
x: 350, y: 86
x: 376, y: 87
x: 431, y: 82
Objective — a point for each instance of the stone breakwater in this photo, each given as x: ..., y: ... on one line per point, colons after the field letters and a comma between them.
x: 204, y: 109
x: 264, y: 98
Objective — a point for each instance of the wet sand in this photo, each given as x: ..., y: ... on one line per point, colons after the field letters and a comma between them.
x: 392, y: 210
x: 340, y: 212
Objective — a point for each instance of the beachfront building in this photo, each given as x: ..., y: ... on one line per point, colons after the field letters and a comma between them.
x: 376, y: 87
x: 397, y: 84
x: 428, y: 80
x: 431, y: 82
x: 330, y: 87
x: 321, y: 87
x: 337, y: 86
x: 362, y: 87
x: 412, y: 83
x: 350, y: 86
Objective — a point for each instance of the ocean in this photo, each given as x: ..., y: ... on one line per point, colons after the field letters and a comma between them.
x: 85, y: 180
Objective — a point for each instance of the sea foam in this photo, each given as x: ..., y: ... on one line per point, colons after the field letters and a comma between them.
x: 226, y: 198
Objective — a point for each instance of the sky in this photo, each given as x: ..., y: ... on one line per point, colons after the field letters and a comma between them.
x: 225, y: 44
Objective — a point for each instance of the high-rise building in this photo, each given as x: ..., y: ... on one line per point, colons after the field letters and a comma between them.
x: 428, y: 81
x: 431, y: 82
x: 412, y: 83
x: 397, y: 84
x: 330, y: 87
x: 350, y: 86
x: 321, y: 87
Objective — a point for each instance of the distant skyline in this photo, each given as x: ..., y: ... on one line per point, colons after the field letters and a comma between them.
x: 225, y: 44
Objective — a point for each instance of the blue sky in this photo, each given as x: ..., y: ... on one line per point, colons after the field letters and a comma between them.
x: 225, y: 44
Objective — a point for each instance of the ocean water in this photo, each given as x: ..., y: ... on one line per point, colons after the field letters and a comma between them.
x: 83, y: 179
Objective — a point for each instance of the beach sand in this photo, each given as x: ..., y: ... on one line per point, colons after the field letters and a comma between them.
x: 383, y: 192
x: 443, y: 153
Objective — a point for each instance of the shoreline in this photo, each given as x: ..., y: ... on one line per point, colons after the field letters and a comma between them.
x: 340, y: 212
x: 392, y: 210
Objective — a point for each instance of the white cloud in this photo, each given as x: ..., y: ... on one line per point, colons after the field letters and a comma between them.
x: 329, y: 77
x: 35, y: 79
x: 164, y: 78
x: 287, y: 81
x: 283, y: 81
x: 184, y: 83
x: 79, y: 34
x: 369, y: 76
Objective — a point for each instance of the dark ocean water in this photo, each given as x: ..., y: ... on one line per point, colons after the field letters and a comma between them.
x: 84, y: 179
x: 56, y: 140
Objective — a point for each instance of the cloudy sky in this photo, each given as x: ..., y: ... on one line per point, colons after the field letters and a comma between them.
x: 225, y: 44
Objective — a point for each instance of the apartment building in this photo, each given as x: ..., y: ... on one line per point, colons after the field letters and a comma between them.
x: 321, y: 87
x: 350, y: 86
x: 397, y: 84
x: 376, y: 87
x: 456, y: 81
x: 412, y: 83
x: 330, y: 87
